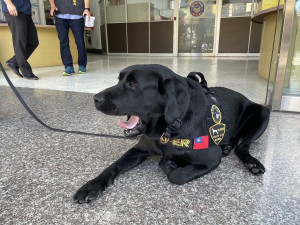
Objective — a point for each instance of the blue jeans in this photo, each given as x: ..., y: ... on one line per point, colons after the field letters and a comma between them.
x: 77, y: 28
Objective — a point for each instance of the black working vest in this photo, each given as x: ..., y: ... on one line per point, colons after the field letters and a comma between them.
x: 215, y: 132
x: 74, y: 7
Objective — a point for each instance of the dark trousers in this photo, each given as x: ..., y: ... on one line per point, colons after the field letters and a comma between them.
x: 77, y: 28
x: 25, y: 40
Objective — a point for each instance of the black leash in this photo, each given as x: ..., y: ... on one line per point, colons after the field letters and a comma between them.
x: 41, y: 122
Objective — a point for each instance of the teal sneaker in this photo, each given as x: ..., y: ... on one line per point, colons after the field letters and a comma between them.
x: 82, y: 69
x: 68, y: 71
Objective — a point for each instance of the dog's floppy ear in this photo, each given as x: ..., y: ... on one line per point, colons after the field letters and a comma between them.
x: 177, y: 100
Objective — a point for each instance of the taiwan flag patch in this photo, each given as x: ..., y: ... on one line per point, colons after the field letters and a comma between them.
x: 201, y: 142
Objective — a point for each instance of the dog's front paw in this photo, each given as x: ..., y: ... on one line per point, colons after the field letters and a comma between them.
x: 255, y: 167
x: 167, y: 165
x: 88, y: 192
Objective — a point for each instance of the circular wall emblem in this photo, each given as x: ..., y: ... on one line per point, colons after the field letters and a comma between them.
x: 197, y: 8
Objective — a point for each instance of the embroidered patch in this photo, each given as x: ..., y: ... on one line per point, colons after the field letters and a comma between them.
x: 217, y: 132
x: 216, y: 114
x: 177, y: 142
x: 181, y: 142
x: 201, y: 142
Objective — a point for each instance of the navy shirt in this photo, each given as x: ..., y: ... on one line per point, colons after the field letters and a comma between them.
x: 23, y: 6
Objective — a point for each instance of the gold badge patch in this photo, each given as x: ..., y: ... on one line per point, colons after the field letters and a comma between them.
x: 216, y: 114
x: 217, y: 132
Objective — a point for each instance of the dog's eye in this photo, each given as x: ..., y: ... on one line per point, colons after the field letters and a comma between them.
x: 131, y: 85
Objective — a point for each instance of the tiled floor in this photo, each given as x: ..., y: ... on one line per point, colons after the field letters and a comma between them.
x: 40, y: 169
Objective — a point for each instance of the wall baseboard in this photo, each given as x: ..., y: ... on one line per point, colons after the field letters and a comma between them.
x: 94, y: 51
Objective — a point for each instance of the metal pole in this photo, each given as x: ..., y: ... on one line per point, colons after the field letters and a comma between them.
x: 284, y: 52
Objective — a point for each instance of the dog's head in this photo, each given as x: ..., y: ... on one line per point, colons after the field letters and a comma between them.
x: 145, y: 93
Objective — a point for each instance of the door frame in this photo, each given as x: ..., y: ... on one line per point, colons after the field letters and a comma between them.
x: 275, y: 96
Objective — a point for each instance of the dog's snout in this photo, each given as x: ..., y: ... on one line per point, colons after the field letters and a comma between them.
x: 99, y: 99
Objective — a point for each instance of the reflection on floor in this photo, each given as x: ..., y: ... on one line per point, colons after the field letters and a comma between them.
x: 238, y: 73
x: 292, y: 85
x: 41, y: 169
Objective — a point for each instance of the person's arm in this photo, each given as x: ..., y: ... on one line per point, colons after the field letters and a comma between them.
x: 87, y: 6
x: 53, y: 7
x: 11, y: 8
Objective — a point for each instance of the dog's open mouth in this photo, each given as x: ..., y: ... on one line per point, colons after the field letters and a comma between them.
x: 132, y: 127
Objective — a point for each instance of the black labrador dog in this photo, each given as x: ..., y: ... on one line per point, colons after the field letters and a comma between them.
x: 183, y: 120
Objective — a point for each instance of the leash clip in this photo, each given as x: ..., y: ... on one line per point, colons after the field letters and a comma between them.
x: 164, y: 139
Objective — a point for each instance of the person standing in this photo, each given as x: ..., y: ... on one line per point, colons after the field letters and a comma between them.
x: 24, y: 35
x: 69, y: 15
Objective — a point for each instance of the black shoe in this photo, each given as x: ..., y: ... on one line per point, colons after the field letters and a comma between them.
x: 14, y: 68
x: 30, y: 77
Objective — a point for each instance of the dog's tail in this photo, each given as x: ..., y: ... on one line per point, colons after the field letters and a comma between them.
x: 203, y: 82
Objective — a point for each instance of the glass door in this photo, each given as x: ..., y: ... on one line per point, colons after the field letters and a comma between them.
x: 238, y: 34
x: 196, y: 29
x: 162, y: 26
x: 138, y: 27
x: 284, y: 78
x: 291, y: 87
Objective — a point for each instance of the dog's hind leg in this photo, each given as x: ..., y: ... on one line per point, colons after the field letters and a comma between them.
x: 255, y: 119
x: 94, y: 187
x: 226, y: 149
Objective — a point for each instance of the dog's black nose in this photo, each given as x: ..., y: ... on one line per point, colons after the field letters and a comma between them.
x: 99, y: 99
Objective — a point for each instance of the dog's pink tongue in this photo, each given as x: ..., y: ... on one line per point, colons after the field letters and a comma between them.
x: 131, y: 123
